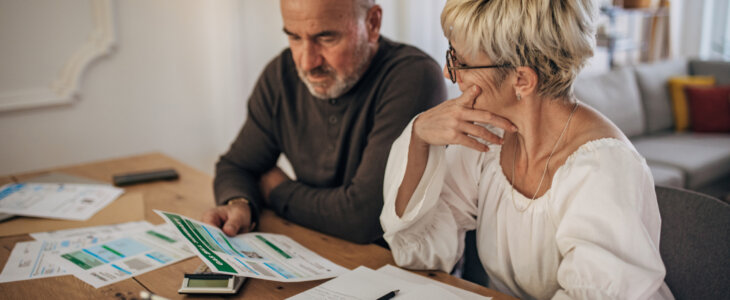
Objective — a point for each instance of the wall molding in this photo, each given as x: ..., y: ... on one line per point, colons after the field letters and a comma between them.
x: 65, y: 87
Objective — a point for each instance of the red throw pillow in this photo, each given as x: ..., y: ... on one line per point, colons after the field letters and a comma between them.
x: 709, y: 108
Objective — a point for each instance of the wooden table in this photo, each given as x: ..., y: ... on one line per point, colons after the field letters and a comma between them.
x: 191, y: 195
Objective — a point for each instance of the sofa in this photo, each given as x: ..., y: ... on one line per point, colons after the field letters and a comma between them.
x: 637, y: 100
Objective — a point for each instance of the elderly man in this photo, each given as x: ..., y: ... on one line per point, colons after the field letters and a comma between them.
x: 333, y: 103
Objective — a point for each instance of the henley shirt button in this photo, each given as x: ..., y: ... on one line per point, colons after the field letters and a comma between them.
x: 333, y: 101
x: 333, y: 119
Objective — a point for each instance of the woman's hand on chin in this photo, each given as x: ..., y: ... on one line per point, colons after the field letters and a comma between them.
x: 452, y: 122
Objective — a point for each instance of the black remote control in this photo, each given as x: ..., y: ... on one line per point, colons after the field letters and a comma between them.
x: 141, y: 177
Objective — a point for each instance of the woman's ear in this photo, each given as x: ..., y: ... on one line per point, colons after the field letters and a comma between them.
x: 525, y: 82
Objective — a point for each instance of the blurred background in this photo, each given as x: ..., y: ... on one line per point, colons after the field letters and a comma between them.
x: 85, y: 80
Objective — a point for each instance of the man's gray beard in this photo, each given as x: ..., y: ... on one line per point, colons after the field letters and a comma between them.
x: 341, y: 85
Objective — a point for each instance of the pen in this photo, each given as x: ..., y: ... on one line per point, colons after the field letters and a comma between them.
x: 389, y: 295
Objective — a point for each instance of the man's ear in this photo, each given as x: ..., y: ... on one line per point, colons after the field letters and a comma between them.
x: 525, y: 81
x: 372, y: 23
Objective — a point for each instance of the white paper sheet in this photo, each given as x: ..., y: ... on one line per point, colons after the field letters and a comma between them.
x: 93, y: 231
x: 366, y: 284
x: 39, y: 259
x: 56, y: 200
x: 123, y: 257
x: 257, y: 255
x: 415, y: 278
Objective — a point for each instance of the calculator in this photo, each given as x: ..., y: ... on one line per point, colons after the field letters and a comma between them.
x: 204, y: 281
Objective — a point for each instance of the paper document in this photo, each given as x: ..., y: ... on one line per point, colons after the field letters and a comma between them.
x: 93, y: 231
x: 123, y: 257
x: 257, y: 255
x: 40, y: 259
x: 127, y: 208
x: 4, y: 216
x: 56, y: 200
x: 405, y: 275
x: 367, y: 284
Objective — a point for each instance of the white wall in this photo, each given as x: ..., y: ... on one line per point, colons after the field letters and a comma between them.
x: 252, y: 37
x: 158, y: 91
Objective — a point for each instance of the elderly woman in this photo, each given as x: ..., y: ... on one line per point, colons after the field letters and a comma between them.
x: 563, y: 205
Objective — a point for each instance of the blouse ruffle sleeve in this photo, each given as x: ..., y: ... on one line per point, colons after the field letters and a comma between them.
x: 430, y: 233
x: 608, y: 227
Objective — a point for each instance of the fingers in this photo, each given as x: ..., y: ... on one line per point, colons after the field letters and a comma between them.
x: 470, y: 142
x: 231, y: 228
x: 468, y: 113
x: 469, y: 96
x: 212, y: 217
x: 485, y: 117
x: 481, y: 132
x: 238, y: 219
x: 452, y: 122
x: 230, y: 218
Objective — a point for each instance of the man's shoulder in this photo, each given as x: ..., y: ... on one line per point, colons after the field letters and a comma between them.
x: 398, y: 60
x: 394, y: 52
x: 282, y: 63
x: 404, y: 73
x: 279, y: 72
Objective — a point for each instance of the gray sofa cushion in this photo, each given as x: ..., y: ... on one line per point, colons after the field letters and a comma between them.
x: 702, y: 157
x: 666, y: 175
x: 652, y: 80
x: 616, y: 95
x: 719, y: 69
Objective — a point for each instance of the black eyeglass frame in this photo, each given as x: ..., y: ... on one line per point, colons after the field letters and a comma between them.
x: 451, y: 64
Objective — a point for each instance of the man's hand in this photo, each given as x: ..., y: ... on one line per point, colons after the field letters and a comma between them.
x: 231, y: 218
x: 270, y: 180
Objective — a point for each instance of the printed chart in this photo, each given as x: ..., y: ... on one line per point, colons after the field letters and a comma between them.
x: 124, y: 257
x: 257, y: 255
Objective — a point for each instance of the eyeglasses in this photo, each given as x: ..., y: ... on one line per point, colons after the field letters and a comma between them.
x: 452, y: 64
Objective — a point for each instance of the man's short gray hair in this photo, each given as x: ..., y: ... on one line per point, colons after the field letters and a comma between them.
x: 553, y: 37
x: 362, y: 7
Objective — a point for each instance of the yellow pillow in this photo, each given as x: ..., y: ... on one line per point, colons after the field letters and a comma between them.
x: 679, y: 100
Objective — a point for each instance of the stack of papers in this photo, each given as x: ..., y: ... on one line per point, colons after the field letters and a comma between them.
x: 56, y: 200
x: 257, y: 255
x: 365, y: 283
x: 126, y: 256
x: 40, y: 258
x: 128, y: 207
x: 98, y: 255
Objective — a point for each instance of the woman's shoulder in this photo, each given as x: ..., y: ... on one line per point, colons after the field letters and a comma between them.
x: 604, y: 157
x: 591, y: 125
x: 592, y: 135
x: 601, y: 148
x: 599, y: 142
x: 604, y: 170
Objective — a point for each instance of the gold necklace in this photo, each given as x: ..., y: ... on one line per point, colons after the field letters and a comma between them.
x: 514, y: 158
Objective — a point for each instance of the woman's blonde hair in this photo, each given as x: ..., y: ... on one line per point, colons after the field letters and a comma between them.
x: 553, y: 37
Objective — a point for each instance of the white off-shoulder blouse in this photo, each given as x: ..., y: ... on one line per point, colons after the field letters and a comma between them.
x: 593, y: 235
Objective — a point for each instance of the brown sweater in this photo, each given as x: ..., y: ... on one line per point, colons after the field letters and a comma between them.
x: 337, y: 147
